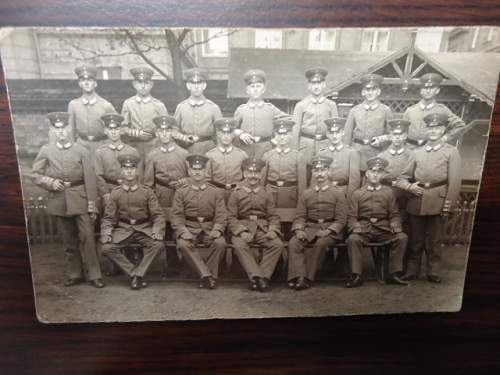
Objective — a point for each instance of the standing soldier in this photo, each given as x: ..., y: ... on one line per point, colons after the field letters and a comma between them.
x: 432, y: 176
x: 253, y: 220
x: 66, y: 171
x: 139, y: 111
x: 374, y: 217
x: 366, y: 128
x: 107, y: 167
x: 166, y: 164
x: 320, y: 220
x: 415, y: 114
x: 310, y: 114
x: 199, y: 219
x: 86, y: 111
x: 344, y: 169
x: 255, y: 117
x: 196, y: 115
x: 132, y: 216
x: 225, y: 160
x: 285, y: 175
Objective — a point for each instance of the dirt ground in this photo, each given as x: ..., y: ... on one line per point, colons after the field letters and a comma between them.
x: 179, y: 298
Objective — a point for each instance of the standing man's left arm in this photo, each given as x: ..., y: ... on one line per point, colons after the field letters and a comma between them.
x: 89, y: 178
x: 454, y: 178
x: 301, y: 174
x: 157, y: 215
x: 456, y: 126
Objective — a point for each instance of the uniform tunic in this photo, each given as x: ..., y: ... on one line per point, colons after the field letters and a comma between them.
x: 319, y: 208
x: 310, y: 129
x: 225, y: 167
x: 364, y: 122
x: 197, y: 117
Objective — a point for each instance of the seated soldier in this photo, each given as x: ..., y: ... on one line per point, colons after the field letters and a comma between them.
x: 285, y: 175
x: 253, y: 221
x: 320, y: 219
x: 132, y: 216
x: 374, y: 217
x: 166, y: 164
x: 198, y: 218
x: 225, y: 160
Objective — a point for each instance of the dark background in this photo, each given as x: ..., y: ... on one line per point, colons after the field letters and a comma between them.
x: 465, y: 342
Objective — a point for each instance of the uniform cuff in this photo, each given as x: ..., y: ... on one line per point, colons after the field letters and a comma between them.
x: 218, y: 227
x: 239, y: 230
x: 336, y: 228
x: 92, y: 207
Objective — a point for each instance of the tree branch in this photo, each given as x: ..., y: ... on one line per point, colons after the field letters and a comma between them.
x: 183, y: 35
x: 216, y: 35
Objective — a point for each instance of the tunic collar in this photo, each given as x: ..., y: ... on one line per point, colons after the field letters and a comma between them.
x: 253, y: 104
x: 196, y: 102
x: 131, y: 188
x: 167, y: 149
x: 282, y: 151
x: 201, y: 187
x: 117, y: 147
x: 145, y: 99
x: 318, y: 100
x: 321, y: 188
x: 250, y: 190
x: 91, y: 101
x: 427, y: 107
x: 336, y: 148
x: 399, y: 151
x: 430, y: 148
x: 371, y: 107
x: 373, y: 188
x: 226, y: 150
x: 65, y: 146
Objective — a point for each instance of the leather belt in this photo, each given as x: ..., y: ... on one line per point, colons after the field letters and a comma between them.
x: 316, y: 137
x: 280, y: 183
x: 430, y: 185
x: 416, y: 142
x: 68, y: 184
x: 91, y: 138
x: 341, y: 182
x: 253, y: 217
x: 222, y: 186
x: 199, y: 219
x: 135, y: 221
x: 364, y: 141
x: 319, y: 221
x: 373, y: 220
x: 112, y: 182
x: 258, y: 139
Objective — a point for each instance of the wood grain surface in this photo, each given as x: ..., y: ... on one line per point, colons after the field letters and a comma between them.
x: 465, y: 342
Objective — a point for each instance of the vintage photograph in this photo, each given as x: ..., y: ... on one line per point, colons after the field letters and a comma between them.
x: 180, y: 174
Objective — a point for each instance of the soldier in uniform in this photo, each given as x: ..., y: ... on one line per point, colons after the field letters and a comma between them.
x: 415, y: 114
x: 225, y: 159
x: 256, y: 116
x: 373, y: 216
x: 253, y: 221
x: 166, y: 168
x: 86, y: 111
x: 132, y: 216
x: 199, y: 218
x: 285, y: 175
x: 107, y: 167
x: 310, y: 114
x: 344, y: 169
x: 320, y: 220
x: 432, y: 176
x: 139, y: 111
x: 196, y: 115
x: 366, y: 128
x: 64, y: 169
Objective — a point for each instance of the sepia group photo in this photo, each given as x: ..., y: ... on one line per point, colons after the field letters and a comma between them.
x: 179, y: 174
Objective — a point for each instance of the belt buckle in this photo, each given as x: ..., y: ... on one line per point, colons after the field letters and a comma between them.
x: 90, y: 137
x: 373, y: 220
x: 256, y: 139
x: 253, y: 217
x: 318, y: 137
x: 335, y: 183
x: 393, y: 183
x: 280, y: 183
x: 200, y: 219
x: 420, y: 142
x: 321, y: 221
x: 366, y: 141
x: 228, y: 187
x: 67, y: 184
x: 427, y: 184
x: 133, y: 221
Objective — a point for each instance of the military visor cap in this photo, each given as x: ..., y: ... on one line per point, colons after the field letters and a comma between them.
x: 165, y: 122
x: 377, y: 164
x: 58, y: 119
x: 225, y: 124
x: 316, y: 74
x: 142, y: 73
x: 86, y: 72
x: 436, y: 119
x: 196, y: 75
x: 254, y: 76
x: 399, y: 126
x: 319, y: 162
x: 335, y: 124
x: 128, y: 160
x: 112, y: 120
x: 253, y: 165
x: 431, y: 79
x: 283, y: 125
x: 196, y: 161
x: 371, y: 80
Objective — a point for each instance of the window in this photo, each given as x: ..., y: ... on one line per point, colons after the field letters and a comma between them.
x: 216, y: 43
x: 491, y: 32
x: 474, y: 38
x: 375, y: 40
x: 322, y: 39
x: 268, y: 39
x: 109, y: 72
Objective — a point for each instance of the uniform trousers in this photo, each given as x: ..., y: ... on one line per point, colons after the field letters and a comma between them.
x: 79, y: 245
x: 396, y: 241
x: 284, y: 196
x: 150, y: 250
x: 256, y: 150
x: 207, y: 263
x: 272, y: 250
x: 304, y: 260
x: 426, y: 234
x: 201, y: 147
x: 310, y: 147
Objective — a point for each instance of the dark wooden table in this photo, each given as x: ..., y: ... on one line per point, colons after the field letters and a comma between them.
x: 465, y: 342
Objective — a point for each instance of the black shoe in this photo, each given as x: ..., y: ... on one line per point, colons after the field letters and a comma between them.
x: 262, y: 284
x: 253, y: 284
x: 291, y: 283
x: 208, y: 282
x: 434, y: 279
x: 302, y: 284
x: 408, y: 277
x: 395, y: 279
x: 355, y: 281
x: 73, y: 281
x: 97, y: 283
x: 135, y: 284
x: 143, y: 282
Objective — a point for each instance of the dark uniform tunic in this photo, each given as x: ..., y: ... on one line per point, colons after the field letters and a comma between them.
x: 71, y: 163
x: 224, y: 168
x: 374, y: 211
x: 254, y: 210
x: 131, y: 216
x: 198, y: 210
x: 319, y: 208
